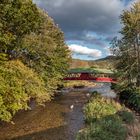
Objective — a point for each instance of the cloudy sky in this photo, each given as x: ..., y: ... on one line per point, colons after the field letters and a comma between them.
x: 89, y: 25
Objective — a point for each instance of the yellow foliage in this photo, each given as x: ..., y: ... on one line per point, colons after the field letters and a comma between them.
x: 18, y: 84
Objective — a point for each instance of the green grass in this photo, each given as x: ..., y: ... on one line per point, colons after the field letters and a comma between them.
x: 103, y: 121
x: 107, y: 128
x: 100, y: 107
x: 127, y: 117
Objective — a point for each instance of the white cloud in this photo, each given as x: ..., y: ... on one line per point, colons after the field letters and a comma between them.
x: 82, y: 50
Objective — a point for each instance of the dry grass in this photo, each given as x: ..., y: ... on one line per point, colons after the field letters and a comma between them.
x: 71, y: 84
x: 134, y: 129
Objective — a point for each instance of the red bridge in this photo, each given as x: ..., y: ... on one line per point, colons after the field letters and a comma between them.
x: 90, y: 76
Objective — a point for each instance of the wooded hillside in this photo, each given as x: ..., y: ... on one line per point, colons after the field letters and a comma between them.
x: 104, y: 63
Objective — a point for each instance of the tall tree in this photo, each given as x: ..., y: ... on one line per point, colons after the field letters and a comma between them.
x: 128, y: 48
x: 41, y: 56
x: 47, y: 52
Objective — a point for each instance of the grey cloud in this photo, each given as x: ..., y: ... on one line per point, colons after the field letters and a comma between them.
x: 76, y: 17
x: 79, y: 15
x: 82, y: 37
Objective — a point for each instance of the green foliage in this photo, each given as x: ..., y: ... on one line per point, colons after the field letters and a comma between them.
x: 126, y: 116
x: 46, y: 52
x: 131, y: 98
x: 18, y: 85
x: 103, y: 120
x: 17, y: 18
x: 100, y: 107
x: 127, y: 49
x: 113, y: 86
x: 107, y: 128
x: 33, y: 56
x: 3, y: 57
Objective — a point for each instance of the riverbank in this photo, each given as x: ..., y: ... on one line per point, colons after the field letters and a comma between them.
x: 107, y: 119
x: 55, y: 121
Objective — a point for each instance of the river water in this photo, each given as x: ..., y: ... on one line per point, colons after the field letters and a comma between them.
x: 60, y: 119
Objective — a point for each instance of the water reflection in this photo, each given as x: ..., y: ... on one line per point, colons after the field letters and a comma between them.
x: 104, y: 89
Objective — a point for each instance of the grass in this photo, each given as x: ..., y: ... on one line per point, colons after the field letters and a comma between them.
x: 107, y: 128
x: 103, y: 121
x: 100, y: 107
x: 71, y: 84
x: 126, y: 116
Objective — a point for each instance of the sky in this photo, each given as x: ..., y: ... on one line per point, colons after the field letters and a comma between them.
x: 88, y: 25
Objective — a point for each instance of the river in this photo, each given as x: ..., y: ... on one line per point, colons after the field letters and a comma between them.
x: 60, y: 119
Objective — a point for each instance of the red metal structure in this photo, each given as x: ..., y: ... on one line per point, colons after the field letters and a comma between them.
x: 90, y: 76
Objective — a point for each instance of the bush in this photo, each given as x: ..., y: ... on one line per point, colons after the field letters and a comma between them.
x: 131, y: 98
x: 113, y: 85
x: 125, y: 95
x: 108, y: 128
x: 18, y: 85
x: 126, y: 116
x: 103, y: 120
x: 100, y: 107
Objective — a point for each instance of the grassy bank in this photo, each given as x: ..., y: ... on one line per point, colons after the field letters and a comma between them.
x: 106, y: 120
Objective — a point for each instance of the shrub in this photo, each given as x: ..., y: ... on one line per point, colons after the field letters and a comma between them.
x: 18, y: 85
x: 131, y: 98
x: 100, y: 107
x: 108, y: 128
x: 126, y: 116
x: 125, y: 95
x: 113, y: 85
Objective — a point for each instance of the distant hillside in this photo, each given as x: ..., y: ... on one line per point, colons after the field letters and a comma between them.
x: 104, y: 63
x: 77, y: 63
x: 108, y: 58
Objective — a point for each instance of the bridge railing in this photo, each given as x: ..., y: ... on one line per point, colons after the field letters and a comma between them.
x: 89, y: 76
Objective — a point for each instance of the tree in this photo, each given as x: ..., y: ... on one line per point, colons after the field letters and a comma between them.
x: 17, y: 18
x: 128, y: 49
x: 33, y: 56
x: 47, y: 52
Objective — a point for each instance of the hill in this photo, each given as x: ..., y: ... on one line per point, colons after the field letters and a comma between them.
x: 103, y: 63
